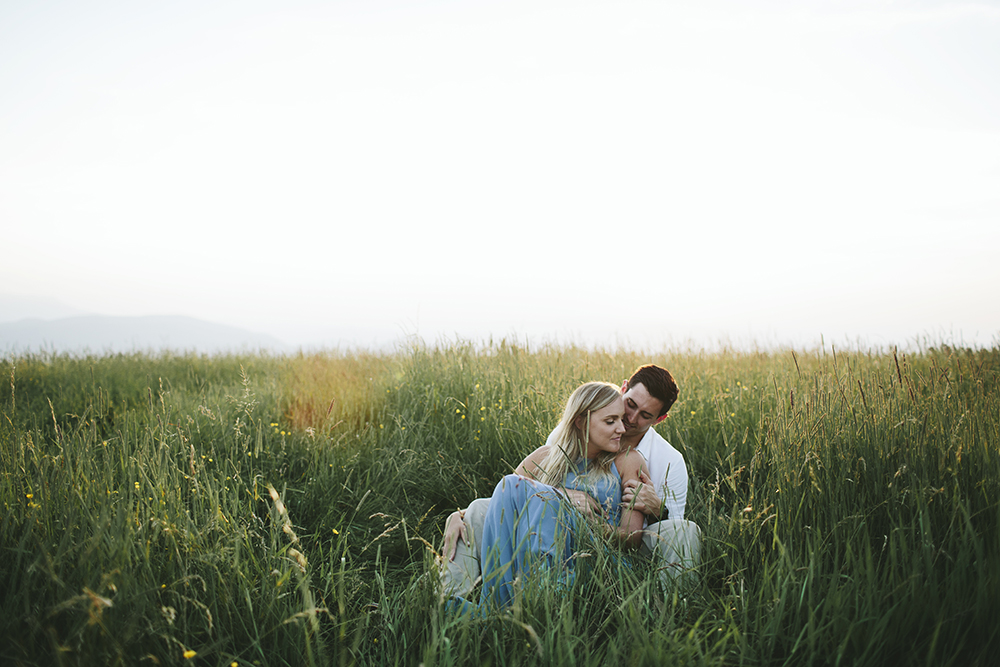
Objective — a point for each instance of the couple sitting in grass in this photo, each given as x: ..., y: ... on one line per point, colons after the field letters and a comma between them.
x: 603, y: 469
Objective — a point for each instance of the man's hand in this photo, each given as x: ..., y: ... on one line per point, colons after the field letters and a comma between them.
x: 583, y: 502
x: 454, y: 530
x: 641, y: 495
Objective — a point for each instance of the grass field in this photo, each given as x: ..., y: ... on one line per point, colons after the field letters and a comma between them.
x: 263, y: 510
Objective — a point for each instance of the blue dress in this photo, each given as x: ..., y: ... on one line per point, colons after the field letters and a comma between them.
x: 530, y: 525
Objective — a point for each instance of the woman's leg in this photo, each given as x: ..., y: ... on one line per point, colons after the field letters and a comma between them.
x: 526, y: 525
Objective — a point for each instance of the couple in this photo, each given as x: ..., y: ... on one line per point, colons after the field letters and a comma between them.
x: 603, y: 468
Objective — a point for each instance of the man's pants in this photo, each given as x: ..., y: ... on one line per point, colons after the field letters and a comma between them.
x: 460, y: 576
x: 674, y: 545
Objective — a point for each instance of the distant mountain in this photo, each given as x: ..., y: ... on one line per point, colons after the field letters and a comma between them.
x: 99, y: 334
x: 15, y: 307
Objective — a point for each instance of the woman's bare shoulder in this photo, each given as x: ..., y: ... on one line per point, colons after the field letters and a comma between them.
x: 629, y: 463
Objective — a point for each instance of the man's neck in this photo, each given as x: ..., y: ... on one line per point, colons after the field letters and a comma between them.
x: 632, y: 439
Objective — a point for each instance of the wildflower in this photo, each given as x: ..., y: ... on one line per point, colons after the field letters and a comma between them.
x: 29, y: 496
x: 137, y: 486
x: 336, y: 532
x: 692, y: 413
x: 188, y: 654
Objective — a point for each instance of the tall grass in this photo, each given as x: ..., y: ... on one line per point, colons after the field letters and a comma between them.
x: 265, y: 510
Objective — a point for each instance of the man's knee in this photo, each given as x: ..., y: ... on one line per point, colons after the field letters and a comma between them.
x: 674, y: 541
x: 459, y: 575
x: 475, y: 517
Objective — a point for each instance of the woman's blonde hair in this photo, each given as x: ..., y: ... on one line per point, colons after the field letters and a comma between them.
x: 569, y: 443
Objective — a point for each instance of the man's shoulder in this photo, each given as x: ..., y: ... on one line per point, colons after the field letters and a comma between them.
x: 653, y: 444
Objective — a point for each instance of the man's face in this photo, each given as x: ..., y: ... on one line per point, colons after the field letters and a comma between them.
x: 641, y: 410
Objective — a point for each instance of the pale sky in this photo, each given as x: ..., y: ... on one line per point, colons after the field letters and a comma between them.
x: 636, y: 173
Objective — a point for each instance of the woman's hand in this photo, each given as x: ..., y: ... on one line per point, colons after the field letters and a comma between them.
x: 584, y: 503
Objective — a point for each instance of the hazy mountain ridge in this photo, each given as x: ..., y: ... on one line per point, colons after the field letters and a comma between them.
x: 104, y: 334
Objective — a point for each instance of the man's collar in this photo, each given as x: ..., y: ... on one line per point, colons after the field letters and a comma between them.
x: 645, y: 434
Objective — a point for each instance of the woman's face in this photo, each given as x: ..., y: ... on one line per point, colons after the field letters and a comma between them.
x: 606, y: 428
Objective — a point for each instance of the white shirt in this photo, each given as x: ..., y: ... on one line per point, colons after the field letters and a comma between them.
x: 666, y: 463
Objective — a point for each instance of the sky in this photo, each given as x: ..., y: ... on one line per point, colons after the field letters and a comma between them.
x: 622, y: 174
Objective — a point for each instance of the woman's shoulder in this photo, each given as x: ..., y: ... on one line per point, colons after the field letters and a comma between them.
x: 629, y: 461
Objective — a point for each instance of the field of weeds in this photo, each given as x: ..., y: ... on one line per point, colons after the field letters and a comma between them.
x: 256, y: 510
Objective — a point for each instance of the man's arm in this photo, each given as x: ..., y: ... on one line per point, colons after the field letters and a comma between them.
x: 530, y: 467
x: 640, y: 494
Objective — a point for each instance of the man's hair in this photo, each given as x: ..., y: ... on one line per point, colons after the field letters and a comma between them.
x: 658, y: 382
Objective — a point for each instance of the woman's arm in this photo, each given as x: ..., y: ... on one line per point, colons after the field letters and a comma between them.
x: 531, y: 468
x: 629, y: 530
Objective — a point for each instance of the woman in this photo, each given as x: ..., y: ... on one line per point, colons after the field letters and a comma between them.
x: 532, y: 516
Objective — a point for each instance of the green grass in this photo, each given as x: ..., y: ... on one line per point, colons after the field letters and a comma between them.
x: 849, y: 500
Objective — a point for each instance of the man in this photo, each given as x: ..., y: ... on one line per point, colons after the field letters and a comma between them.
x: 673, y: 543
